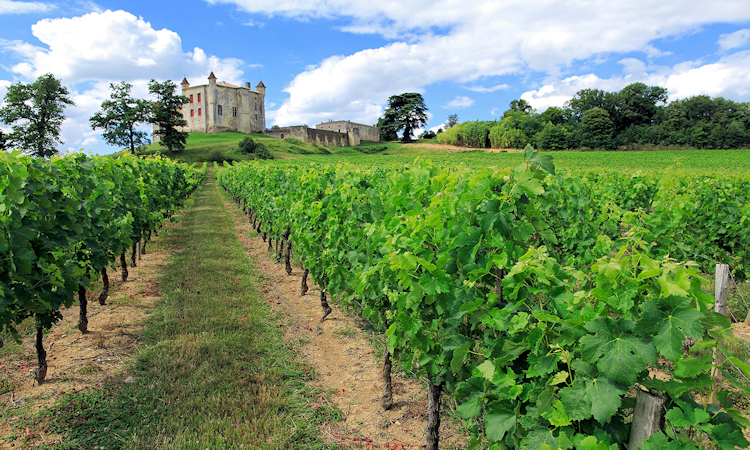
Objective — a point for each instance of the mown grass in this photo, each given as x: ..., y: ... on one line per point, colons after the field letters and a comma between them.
x: 214, y: 371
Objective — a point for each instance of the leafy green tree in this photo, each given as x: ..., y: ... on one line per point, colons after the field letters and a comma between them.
x: 520, y: 105
x: 452, y: 121
x: 35, y: 113
x: 427, y: 135
x: 587, y: 99
x: 119, y: 117
x: 388, y: 130
x: 2, y: 141
x: 553, y: 137
x: 596, y: 129
x: 636, y: 104
x: 166, y: 115
x: 405, y: 112
x: 554, y: 115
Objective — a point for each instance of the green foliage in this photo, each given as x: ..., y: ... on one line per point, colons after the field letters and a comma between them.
x: 119, y: 117
x: 167, y: 115
x: 248, y: 145
x: 35, y: 113
x: 590, y: 298
x: 405, y: 112
x: 452, y: 121
x: 64, y: 220
x: 553, y: 137
x: 502, y: 135
x: 467, y: 134
x: 596, y: 129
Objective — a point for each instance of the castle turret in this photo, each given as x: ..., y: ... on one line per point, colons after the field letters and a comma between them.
x: 212, y: 79
x: 185, y: 83
x: 261, y: 88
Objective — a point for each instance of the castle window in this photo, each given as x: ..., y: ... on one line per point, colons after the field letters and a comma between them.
x: 191, y: 113
x: 220, y: 110
x: 234, y: 111
x: 199, y: 100
x: 256, y: 117
x: 256, y: 106
x: 199, y: 111
x: 191, y: 98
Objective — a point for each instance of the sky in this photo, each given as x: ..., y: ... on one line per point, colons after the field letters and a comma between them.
x: 326, y: 60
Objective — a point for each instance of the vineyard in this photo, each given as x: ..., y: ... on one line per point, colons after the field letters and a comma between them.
x: 549, y: 305
x: 65, y: 221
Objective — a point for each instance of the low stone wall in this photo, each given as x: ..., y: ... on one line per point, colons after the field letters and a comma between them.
x: 312, y: 135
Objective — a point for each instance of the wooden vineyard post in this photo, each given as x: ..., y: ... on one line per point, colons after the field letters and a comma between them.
x: 720, y: 306
x: 648, y: 418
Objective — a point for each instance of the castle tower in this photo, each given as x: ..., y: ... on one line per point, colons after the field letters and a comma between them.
x: 261, y: 88
x: 185, y: 84
x: 211, y: 95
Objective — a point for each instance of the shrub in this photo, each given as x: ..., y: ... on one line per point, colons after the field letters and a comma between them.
x: 248, y: 145
x: 262, y: 152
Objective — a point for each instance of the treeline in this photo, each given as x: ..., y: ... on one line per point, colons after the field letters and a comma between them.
x: 635, y: 117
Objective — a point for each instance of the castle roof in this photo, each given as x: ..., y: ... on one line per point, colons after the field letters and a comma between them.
x: 212, y: 76
x: 261, y: 84
x: 185, y: 81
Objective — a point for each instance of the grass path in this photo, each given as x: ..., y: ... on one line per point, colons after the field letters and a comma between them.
x: 213, y: 370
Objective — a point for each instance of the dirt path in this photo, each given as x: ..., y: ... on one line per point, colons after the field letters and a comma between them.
x: 453, y: 148
x: 78, y: 362
x: 346, y: 362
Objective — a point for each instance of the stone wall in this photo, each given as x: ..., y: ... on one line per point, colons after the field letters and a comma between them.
x: 366, y: 132
x: 312, y: 135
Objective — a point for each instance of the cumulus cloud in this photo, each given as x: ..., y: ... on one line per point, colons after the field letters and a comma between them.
x: 460, y: 102
x: 93, y: 50
x: 14, y: 7
x: 112, y: 45
x: 451, y: 40
x: 737, y: 39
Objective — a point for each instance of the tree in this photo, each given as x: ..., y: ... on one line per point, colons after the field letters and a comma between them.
x: 35, y: 113
x: 452, y: 121
x: 388, y: 131
x: 522, y: 106
x: 405, y: 112
x: 635, y: 104
x: 597, y: 129
x: 119, y: 117
x: 587, y: 99
x: 166, y: 115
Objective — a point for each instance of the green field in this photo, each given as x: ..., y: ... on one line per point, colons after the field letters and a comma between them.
x: 224, y: 146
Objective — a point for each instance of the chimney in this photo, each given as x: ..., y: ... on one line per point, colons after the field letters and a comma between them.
x: 248, y: 85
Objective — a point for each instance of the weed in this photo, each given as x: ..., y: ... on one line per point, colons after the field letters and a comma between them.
x: 89, y: 367
x: 346, y: 332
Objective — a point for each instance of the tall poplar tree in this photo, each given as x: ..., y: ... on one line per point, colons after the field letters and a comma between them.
x: 35, y: 113
x: 119, y: 117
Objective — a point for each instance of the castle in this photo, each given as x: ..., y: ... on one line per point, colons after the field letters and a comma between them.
x: 221, y: 106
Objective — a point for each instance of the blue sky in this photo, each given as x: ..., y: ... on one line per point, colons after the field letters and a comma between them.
x: 342, y: 59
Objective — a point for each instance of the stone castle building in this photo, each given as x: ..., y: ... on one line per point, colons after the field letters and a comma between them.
x: 217, y: 107
x: 365, y: 132
x: 341, y: 133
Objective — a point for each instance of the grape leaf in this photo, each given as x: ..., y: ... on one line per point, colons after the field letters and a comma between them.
x: 621, y: 355
x: 670, y: 320
x: 605, y: 399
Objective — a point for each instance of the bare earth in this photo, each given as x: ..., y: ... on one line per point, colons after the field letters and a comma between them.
x: 453, y: 148
x: 78, y: 362
x: 346, y: 362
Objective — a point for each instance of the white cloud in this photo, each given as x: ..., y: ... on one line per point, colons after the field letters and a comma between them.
x: 485, y: 90
x: 459, y: 102
x: 254, y: 23
x: 729, y: 77
x: 452, y: 40
x: 14, y: 7
x: 737, y: 39
x: 113, y: 46
x: 90, y: 51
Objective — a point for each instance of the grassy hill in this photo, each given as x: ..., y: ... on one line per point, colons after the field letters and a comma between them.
x: 224, y: 146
